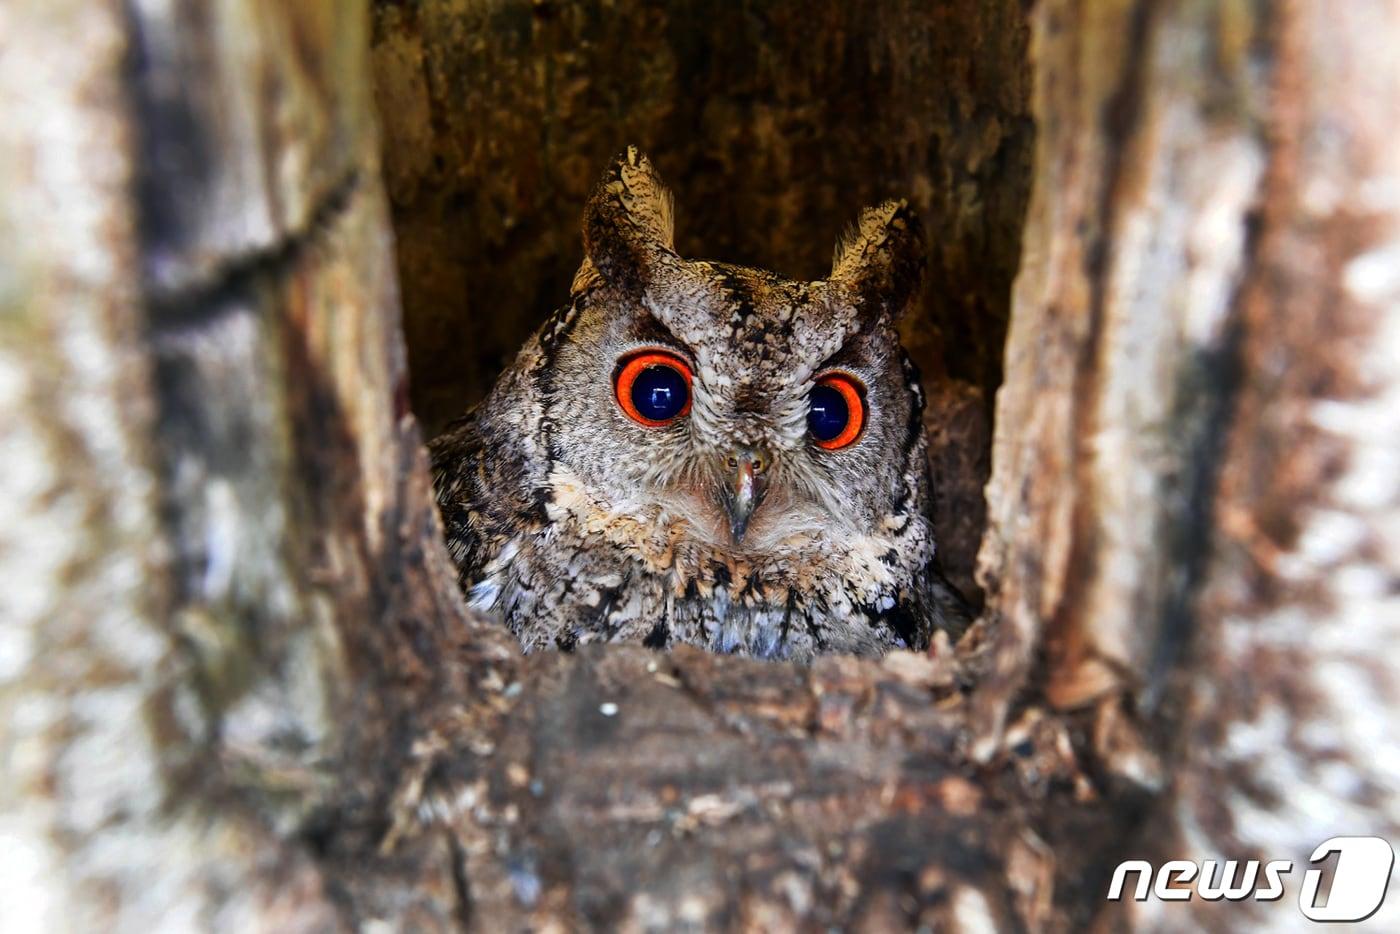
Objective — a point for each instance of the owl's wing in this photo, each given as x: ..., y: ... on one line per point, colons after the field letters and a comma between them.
x: 949, y: 610
x: 456, y: 458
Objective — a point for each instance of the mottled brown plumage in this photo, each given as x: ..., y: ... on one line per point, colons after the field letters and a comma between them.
x: 729, y: 527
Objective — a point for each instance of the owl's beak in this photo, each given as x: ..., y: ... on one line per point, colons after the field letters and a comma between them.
x: 746, y: 472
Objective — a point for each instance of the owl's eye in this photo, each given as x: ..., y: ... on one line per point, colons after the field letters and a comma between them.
x: 836, y: 411
x: 653, y: 387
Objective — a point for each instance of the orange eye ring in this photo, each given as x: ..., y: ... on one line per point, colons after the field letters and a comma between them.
x: 853, y: 394
x: 632, y: 367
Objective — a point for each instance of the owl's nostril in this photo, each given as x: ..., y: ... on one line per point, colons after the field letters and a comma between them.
x: 755, y: 459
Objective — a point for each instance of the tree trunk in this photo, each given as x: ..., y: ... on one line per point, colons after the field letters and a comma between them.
x: 238, y: 686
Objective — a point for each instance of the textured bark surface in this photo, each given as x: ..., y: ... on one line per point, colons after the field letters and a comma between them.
x: 238, y: 689
x: 1193, y: 507
x: 221, y: 612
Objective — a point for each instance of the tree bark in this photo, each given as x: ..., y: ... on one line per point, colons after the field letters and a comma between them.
x: 238, y: 687
x: 228, y: 610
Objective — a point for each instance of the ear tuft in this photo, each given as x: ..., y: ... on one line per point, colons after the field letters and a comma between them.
x: 628, y: 224
x: 882, y: 257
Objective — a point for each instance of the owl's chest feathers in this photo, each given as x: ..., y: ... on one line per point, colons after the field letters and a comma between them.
x: 682, y: 540
x: 662, y: 572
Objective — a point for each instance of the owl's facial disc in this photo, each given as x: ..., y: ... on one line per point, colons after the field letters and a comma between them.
x: 730, y: 444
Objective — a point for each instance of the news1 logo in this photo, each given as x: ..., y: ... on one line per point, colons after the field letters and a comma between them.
x: 1359, y: 881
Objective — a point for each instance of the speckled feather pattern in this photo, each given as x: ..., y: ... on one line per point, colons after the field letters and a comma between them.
x: 575, y: 524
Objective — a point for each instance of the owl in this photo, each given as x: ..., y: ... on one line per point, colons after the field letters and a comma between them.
x: 695, y: 452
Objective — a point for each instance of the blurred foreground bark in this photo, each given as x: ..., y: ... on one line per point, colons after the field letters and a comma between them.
x: 238, y: 689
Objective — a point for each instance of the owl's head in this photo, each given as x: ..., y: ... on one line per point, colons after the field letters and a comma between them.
x: 754, y: 409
